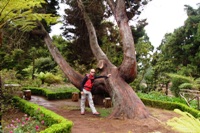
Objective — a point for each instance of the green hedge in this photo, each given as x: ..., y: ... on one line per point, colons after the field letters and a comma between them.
x: 49, y: 94
x: 170, y: 106
x: 147, y: 101
x: 55, y: 122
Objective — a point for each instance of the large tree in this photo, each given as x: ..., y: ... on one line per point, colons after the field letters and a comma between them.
x: 126, y: 102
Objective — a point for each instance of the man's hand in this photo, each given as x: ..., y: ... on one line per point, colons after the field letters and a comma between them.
x: 82, y: 92
x: 108, y: 75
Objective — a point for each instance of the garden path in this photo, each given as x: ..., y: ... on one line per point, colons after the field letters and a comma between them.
x: 89, y: 123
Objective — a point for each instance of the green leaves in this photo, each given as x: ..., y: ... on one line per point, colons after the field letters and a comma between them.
x: 21, y: 14
x: 185, y: 123
x: 181, y: 48
x: 49, y: 78
x: 185, y: 82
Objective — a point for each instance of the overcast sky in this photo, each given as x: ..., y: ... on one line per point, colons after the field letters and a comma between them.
x: 163, y: 16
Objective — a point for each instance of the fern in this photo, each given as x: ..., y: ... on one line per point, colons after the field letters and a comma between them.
x: 186, y: 123
x: 20, y: 14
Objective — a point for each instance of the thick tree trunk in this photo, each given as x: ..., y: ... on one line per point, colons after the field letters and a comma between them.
x: 126, y: 102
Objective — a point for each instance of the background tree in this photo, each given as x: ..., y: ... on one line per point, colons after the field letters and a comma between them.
x: 17, y: 17
x: 179, y: 51
x: 18, y: 39
x: 183, y: 82
x: 181, y: 47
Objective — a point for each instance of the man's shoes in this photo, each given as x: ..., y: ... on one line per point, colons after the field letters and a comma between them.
x: 82, y: 113
x: 96, y: 113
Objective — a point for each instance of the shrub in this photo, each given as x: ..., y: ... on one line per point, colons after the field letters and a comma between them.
x: 49, y: 78
x: 169, y: 103
x: 9, y: 76
x: 177, y: 80
x: 55, y: 122
x: 52, y: 94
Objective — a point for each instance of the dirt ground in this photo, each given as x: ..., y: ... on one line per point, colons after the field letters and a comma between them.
x: 89, y: 123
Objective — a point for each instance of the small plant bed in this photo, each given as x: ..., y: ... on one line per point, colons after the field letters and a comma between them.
x: 161, y: 97
x: 15, y: 121
x: 53, y: 93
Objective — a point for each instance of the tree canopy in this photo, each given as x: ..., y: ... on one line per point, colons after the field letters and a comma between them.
x: 182, y: 47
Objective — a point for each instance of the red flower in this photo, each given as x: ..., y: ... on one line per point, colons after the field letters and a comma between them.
x: 36, y: 127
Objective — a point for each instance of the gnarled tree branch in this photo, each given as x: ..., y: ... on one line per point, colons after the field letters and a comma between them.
x: 98, y: 53
x: 128, y: 68
x: 74, y: 77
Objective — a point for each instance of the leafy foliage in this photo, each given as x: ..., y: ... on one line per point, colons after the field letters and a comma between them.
x: 183, y: 82
x: 20, y: 47
x: 185, y: 123
x: 107, y: 32
x: 181, y: 47
x: 45, y: 64
x: 158, y: 96
x: 192, y: 84
x: 54, y: 122
x: 49, y: 78
x: 20, y: 14
x: 177, y: 80
x: 25, y: 124
x: 179, y: 53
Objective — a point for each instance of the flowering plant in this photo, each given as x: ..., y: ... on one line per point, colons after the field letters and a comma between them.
x: 26, y: 124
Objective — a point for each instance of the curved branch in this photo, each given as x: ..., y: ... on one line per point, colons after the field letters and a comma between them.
x: 98, y: 53
x: 74, y: 77
x: 128, y: 68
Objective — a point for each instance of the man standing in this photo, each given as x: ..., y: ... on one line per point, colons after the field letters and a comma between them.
x: 86, y: 88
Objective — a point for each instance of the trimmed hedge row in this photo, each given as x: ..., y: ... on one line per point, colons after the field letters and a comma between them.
x: 50, y: 95
x: 170, y: 106
x: 55, y: 122
x: 149, y: 102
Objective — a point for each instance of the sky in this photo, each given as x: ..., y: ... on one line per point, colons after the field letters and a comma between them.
x: 163, y: 16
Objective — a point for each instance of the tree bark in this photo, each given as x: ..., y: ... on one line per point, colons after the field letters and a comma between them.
x: 167, y: 88
x: 125, y: 101
x: 74, y: 77
x: 128, y: 68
